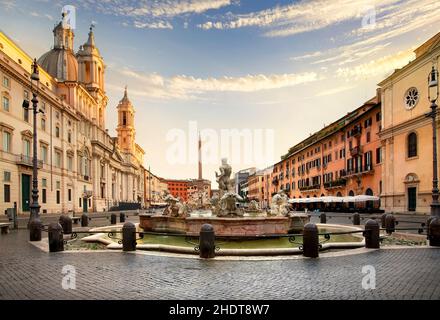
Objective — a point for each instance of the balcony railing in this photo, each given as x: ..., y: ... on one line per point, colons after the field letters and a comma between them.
x: 335, y: 183
x: 356, y: 151
x: 27, y: 161
x: 312, y: 187
x: 356, y: 131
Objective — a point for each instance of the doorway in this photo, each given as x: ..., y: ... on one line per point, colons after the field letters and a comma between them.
x: 412, y: 198
x: 25, y: 192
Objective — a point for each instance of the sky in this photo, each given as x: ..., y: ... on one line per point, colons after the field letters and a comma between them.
x: 274, y: 71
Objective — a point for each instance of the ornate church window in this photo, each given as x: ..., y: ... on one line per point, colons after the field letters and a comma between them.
x: 411, y: 98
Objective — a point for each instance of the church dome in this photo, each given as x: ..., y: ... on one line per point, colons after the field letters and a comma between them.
x: 60, y: 63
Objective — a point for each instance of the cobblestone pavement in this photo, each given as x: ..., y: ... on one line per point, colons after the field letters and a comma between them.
x: 29, y: 273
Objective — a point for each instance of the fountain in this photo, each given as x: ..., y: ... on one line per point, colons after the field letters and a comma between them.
x: 226, y: 217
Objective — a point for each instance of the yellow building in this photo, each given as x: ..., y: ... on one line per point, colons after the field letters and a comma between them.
x: 81, y: 167
x: 406, y: 133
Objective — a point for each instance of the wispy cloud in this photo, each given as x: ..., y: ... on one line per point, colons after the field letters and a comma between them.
x: 381, y: 66
x: 157, y: 86
x: 336, y: 90
x: 145, y: 13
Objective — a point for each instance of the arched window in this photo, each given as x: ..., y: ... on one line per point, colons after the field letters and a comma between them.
x: 412, y: 145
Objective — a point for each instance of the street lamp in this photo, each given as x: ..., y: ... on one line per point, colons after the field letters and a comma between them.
x: 35, y: 225
x: 434, y: 221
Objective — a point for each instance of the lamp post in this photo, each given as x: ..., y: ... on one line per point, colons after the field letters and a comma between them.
x: 35, y: 225
x: 432, y: 96
x: 434, y: 221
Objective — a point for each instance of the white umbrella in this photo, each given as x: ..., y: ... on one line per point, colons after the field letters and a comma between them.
x: 364, y: 198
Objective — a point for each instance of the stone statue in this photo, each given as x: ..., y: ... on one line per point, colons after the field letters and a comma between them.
x: 228, y: 205
x: 253, y: 206
x: 223, y: 178
x: 215, y: 205
x: 279, y: 205
x: 175, y: 208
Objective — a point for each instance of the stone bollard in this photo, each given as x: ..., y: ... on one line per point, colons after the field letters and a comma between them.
x: 356, y: 219
x: 113, y: 218
x: 323, y: 217
x: 84, y: 220
x: 371, y: 234
x: 66, y: 224
x: 35, y: 229
x: 122, y: 217
x: 310, y: 241
x: 434, y: 232
x: 55, y: 234
x: 128, y: 237
x: 382, y: 219
x: 390, y: 223
x: 207, y: 242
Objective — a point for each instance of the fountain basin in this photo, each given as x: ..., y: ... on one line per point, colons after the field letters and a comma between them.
x: 226, y: 227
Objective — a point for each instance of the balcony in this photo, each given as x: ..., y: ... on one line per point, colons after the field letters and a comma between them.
x: 367, y: 169
x: 356, y: 151
x: 335, y: 184
x: 356, y: 131
x: 27, y: 161
x: 310, y: 188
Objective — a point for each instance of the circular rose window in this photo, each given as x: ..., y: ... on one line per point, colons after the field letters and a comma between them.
x: 411, y: 98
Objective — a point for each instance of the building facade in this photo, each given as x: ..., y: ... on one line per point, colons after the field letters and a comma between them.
x: 407, y: 133
x: 342, y: 159
x: 81, y: 167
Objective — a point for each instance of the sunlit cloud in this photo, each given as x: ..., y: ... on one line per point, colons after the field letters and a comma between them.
x: 157, y: 86
x: 382, y: 66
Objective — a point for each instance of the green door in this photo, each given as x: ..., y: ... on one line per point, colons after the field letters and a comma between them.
x: 25, y: 192
x: 85, y: 207
x: 412, y: 198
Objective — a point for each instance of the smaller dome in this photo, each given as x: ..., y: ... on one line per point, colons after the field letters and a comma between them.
x: 61, y: 64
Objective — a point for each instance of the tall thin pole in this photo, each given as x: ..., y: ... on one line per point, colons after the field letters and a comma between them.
x: 435, y: 205
x: 149, y: 183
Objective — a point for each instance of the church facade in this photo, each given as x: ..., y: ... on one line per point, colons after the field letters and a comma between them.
x: 81, y: 167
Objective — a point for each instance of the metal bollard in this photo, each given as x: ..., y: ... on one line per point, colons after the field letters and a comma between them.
x: 434, y: 232
x: 84, y: 220
x: 382, y: 219
x: 371, y: 234
x: 113, y: 218
x: 121, y: 217
x: 356, y: 219
x: 128, y: 237
x: 56, y: 241
x: 66, y: 224
x: 207, y: 242
x: 310, y: 241
x: 323, y: 217
x: 390, y: 223
x: 35, y: 229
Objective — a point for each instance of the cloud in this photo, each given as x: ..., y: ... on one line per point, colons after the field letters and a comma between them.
x: 153, y: 25
x: 335, y: 90
x: 157, y: 86
x: 381, y: 66
x: 300, y: 17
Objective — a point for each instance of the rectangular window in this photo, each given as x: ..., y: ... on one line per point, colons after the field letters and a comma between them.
x: 80, y: 202
x: 58, y: 197
x: 44, y: 154
x: 44, y: 195
x: 6, y: 82
x: 58, y: 159
x: 69, y: 194
x: 27, y: 148
x: 6, y: 176
x: 5, y: 103
x: 7, y: 193
x: 368, y: 137
x: 57, y: 132
x: 378, y: 155
x: 378, y: 116
x: 69, y: 163
x: 6, y: 141
x: 44, y: 182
